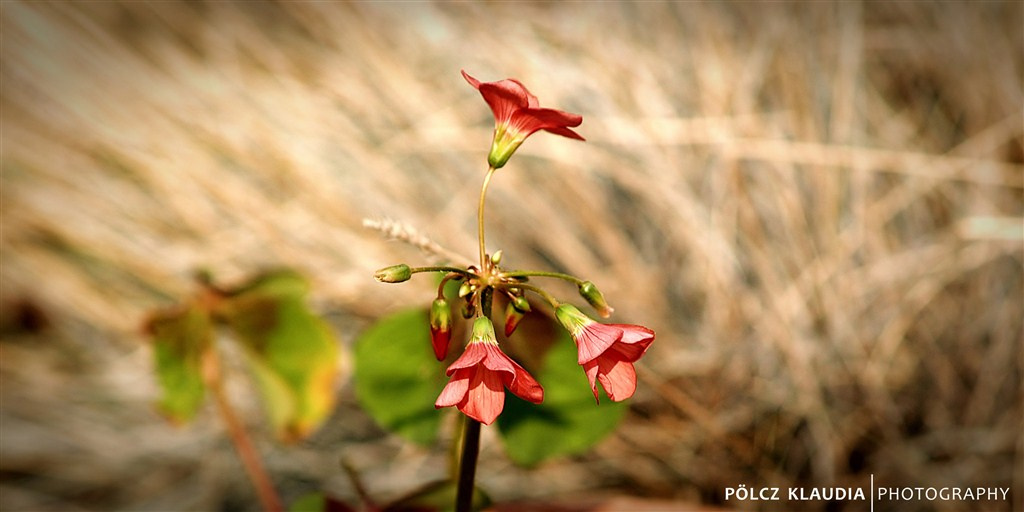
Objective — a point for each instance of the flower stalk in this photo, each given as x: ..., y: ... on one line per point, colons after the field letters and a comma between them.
x: 467, y: 465
x: 484, y: 263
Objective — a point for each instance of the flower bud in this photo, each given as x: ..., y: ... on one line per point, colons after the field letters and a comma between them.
x: 496, y: 257
x: 520, y: 303
x: 594, y: 297
x: 440, y: 327
x: 512, y: 317
x: 465, y: 289
x: 393, y: 274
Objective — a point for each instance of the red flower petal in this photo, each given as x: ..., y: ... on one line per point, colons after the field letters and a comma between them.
x: 474, y: 353
x: 525, y: 121
x: 565, y: 132
x: 635, y: 341
x: 496, y: 360
x: 617, y: 376
x: 440, y: 339
x: 594, y: 339
x: 455, y: 390
x: 505, y: 98
x: 515, y: 377
x: 472, y: 81
x: 525, y: 386
x: 486, y: 397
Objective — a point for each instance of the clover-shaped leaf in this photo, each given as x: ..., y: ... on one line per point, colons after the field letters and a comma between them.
x: 291, y: 352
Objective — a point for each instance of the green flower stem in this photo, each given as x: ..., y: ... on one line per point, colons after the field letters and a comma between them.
x: 539, y: 291
x: 536, y: 273
x: 444, y: 281
x: 452, y: 270
x: 480, y: 218
x: 467, y: 465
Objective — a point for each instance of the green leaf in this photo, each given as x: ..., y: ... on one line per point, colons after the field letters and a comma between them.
x: 439, y: 495
x: 318, y: 502
x: 397, y: 378
x: 567, y: 422
x: 312, y: 502
x: 180, y: 338
x: 291, y: 352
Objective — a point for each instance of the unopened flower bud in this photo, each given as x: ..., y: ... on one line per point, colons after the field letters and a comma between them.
x: 512, y: 317
x: 496, y: 257
x: 440, y: 327
x: 393, y: 274
x: 520, y: 303
x: 465, y: 289
x: 594, y: 297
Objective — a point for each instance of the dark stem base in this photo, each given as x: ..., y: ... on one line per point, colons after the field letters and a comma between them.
x: 467, y: 466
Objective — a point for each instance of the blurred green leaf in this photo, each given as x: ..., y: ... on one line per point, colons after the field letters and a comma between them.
x: 436, y: 496
x: 292, y: 353
x: 397, y: 377
x: 312, y: 502
x: 180, y: 338
x: 318, y: 502
x: 567, y: 422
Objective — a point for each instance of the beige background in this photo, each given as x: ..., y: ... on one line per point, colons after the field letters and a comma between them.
x: 818, y: 207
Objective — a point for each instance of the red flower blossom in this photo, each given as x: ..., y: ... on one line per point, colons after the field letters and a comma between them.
x: 479, y: 375
x: 606, y: 351
x: 517, y: 115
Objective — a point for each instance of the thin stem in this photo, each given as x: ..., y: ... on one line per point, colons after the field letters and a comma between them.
x: 444, y: 281
x: 250, y: 458
x: 357, y: 484
x: 539, y: 291
x: 467, y: 465
x: 480, y: 219
x: 538, y: 273
x: 471, y: 429
x: 442, y: 268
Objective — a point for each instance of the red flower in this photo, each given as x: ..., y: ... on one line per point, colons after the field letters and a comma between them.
x: 517, y: 115
x: 606, y: 351
x: 440, y: 327
x: 479, y: 375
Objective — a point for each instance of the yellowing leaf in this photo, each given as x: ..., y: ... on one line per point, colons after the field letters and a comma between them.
x: 180, y: 339
x: 292, y: 352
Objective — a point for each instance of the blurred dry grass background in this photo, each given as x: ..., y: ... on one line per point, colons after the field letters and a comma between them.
x: 818, y: 207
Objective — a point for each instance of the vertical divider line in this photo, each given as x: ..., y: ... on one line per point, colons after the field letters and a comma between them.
x: 872, y: 492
